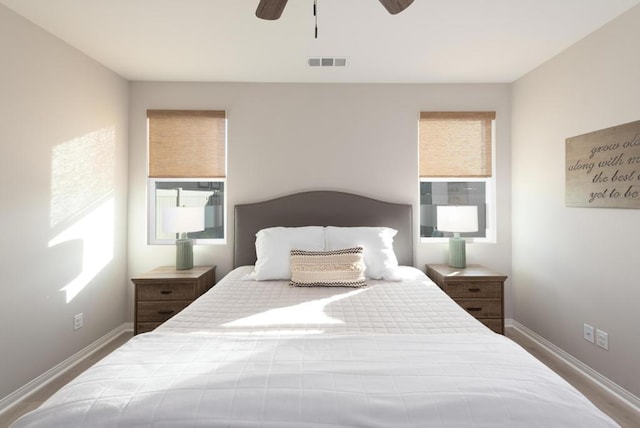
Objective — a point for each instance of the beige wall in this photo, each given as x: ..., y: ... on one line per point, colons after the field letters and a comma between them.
x: 285, y: 138
x: 577, y: 265
x: 63, y: 157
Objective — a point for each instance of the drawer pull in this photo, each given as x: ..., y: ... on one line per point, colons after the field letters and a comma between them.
x: 165, y: 312
x: 166, y: 292
x: 474, y: 290
x: 474, y: 309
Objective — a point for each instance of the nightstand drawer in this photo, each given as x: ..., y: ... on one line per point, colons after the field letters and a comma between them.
x: 474, y: 289
x: 164, y: 291
x: 159, y: 311
x: 482, y: 308
x: 167, y: 291
x: 477, y: 289
x: 143, y: 327
x: 494, y: 324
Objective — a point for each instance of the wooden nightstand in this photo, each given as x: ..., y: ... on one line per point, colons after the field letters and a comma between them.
x: 165, y: 291
x: 479, y: 290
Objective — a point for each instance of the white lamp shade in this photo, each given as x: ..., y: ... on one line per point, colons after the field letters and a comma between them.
x: 183, y: 219
x: 457, y: 218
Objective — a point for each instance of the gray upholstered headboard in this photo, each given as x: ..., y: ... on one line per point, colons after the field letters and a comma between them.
x: 320, y: 208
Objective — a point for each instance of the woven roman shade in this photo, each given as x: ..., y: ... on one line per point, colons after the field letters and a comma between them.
x: 455, y: 144
x: 186, y: 143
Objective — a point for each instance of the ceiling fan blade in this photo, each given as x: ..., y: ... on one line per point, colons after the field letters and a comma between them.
x: 396, y: 6
x: 271, y: 9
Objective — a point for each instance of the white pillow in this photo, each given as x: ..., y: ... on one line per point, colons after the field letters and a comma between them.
x: 410, y: 273
x: 379, y: 258
x: 274, y: 245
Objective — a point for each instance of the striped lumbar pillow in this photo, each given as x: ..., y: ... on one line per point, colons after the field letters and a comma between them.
x: 337, y: 268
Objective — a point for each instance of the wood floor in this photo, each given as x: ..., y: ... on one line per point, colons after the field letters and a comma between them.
x: 40, y: 396
x: 609, y: 404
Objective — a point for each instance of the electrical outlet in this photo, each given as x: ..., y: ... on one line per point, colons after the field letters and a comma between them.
x: 602, y: 339
x: 78, y: 322
x: 588, y: 333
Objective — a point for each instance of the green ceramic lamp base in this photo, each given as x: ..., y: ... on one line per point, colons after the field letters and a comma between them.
x: 184, y: 254
x: 457, y: 254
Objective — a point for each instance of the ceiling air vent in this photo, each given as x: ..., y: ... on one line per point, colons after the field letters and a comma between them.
x: 327, y: 62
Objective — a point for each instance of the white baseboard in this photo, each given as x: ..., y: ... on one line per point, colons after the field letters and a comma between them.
x: 36, y: 384
x: 625, y: 397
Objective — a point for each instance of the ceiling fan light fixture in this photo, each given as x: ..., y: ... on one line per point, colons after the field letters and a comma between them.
x: 270, y: 9
x: 396, y: 6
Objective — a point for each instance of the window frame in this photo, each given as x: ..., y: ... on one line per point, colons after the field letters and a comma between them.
x: 490, y: 197
x: 219, y: 175
x: 152, y: 212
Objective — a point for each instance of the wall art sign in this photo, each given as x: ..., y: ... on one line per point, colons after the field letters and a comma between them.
x: 603, y: 168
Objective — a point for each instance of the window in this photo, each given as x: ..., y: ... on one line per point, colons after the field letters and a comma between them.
x: 187, y: 167
x: 456, y: 168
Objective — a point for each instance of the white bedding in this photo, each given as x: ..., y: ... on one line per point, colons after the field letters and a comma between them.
x: 256, y: 354
x: 240, y: 306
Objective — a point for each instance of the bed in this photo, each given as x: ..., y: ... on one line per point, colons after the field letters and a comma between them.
x: 256, y: 352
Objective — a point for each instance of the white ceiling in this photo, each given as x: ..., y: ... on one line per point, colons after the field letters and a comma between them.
x: 433, y: 41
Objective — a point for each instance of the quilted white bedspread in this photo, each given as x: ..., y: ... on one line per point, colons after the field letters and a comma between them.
x: 239, y: 306
x: 264, y: 354
x: 374, y: 380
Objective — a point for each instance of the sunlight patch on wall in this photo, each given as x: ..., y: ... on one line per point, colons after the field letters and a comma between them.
x: 82, y: 202
x: 96, y: 232
x: 82, y: 172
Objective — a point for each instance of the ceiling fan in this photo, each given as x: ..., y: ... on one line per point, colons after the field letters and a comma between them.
x: 272, y: 9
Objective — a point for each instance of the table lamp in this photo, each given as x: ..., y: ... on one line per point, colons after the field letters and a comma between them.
x: 182, y: 220
x: 457, y: 219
